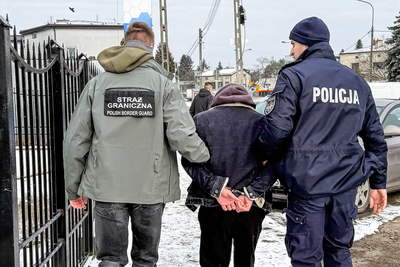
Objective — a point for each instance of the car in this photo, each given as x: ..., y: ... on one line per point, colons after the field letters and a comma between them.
x: 389, y: 113
x: 260, y: 99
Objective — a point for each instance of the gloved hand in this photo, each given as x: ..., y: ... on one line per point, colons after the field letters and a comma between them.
x: 79, y: 203
x: 243, y: 204
x: 227, y: 200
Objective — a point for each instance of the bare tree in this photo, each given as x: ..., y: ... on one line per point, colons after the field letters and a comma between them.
x: 267, y: 68
x: 379, y: 72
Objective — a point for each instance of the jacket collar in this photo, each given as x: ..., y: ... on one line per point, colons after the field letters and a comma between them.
x: 234, y: 105
x: 139, y: 44
x: 318, y: 50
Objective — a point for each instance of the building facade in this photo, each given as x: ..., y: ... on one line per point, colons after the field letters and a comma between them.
x: 359, y: 61
x: 90, y: 37
x: 225, y: 76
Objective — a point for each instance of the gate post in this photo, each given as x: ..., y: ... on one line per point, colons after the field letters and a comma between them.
x: 9, y: 245
x: 58, y: 128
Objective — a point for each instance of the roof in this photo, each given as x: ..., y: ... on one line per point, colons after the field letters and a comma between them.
x: 73, y: 25
x: 228, y: 72
x: 379, y: 47
x: 223, y: 72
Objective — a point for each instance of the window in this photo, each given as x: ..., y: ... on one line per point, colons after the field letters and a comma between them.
x: 34, y: 35
x: 355, y: 66
x: 393, y: 118
x: 356, y: 57
x: 379, y: 65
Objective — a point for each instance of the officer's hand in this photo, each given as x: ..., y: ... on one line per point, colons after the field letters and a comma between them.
x: 227, y: 200
x: 243, y: 204
x: 79, y: 203
x: 378, y: 200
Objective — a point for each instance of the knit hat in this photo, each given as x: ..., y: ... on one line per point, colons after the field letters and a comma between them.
x: 310, y: 31
x: 233, y: 93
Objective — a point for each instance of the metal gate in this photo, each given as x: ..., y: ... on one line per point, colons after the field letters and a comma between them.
x: 39, y: 89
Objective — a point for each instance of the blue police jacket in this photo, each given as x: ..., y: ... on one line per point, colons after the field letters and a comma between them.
x: 316, y: 113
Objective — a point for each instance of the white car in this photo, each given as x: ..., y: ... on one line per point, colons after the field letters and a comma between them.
x: 389, y: 112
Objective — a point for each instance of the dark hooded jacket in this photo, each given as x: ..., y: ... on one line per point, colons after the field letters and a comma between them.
x: 320, y: 107
x: 201, y: 102
x: 230, y: 130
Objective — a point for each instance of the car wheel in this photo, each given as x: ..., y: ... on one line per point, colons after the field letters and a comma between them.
x: 362, y: 197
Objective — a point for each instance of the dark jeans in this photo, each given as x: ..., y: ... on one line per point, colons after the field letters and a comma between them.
x: 219, y: 227
x: 112, y: 221
x: 321, y: 229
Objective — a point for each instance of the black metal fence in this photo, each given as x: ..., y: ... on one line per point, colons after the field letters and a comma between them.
x: 39, y: 89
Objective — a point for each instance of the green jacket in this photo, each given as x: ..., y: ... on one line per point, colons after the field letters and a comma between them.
x: 122, y: 139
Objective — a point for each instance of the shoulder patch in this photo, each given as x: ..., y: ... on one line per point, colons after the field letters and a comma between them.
x: 270, y: 105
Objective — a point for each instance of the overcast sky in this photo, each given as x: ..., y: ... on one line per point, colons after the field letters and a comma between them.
x: 268, y: 23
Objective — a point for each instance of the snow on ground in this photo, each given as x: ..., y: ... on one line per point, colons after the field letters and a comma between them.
x: 369, y: 225
x: 180, y: 235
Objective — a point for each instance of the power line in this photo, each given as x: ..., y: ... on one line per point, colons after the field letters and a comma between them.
x: 211, y: 16
x: 362, y: 38
x: 207, y: 25
x: 356, y: 41
x: 194, y: 46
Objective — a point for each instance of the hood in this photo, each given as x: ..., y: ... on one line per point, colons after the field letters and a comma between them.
x: 203, y: 93
x: 233, y: 93
x: 120, y: 59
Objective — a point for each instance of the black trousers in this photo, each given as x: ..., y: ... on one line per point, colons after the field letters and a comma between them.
x: 219, y: 228
x: 321, y: 229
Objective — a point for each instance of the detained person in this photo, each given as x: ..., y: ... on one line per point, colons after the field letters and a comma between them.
x: 232, y: 187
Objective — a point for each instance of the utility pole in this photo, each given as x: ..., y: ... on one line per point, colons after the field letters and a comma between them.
x: 164, y: 35
x: 239, y: 20
x: 372, y: 39
x: 200, y: 56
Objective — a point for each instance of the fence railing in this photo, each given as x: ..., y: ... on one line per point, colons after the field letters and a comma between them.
x: 39, y: 89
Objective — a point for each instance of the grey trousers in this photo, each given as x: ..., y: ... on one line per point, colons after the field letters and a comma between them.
x: 112, y: 221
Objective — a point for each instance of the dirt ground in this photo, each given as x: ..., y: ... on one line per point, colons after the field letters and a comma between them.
x: 382, y: 248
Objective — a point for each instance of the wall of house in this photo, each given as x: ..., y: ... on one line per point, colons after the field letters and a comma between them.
x: 359, y: 61
x: 223, y: 80
x: 362, y: 58
x: 89, y: 41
